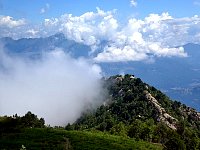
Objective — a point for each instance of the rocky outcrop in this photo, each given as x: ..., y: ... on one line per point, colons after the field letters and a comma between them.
x: 163, y: 116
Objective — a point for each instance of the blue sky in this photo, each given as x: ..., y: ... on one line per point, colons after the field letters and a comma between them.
x: 133, y: 29
x: 31, y: 10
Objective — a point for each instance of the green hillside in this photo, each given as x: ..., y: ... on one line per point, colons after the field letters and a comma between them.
x: 138, y: 110
x: 33, y: 139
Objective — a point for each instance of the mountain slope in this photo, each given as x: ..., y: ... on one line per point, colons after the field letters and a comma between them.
x: 137, y: 110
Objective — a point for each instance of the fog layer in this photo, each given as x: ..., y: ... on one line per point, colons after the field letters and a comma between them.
x: 56, y: 86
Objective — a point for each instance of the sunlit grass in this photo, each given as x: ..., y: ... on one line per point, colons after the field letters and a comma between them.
x: 62, y: 139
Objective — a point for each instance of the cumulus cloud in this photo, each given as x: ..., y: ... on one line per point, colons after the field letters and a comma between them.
x: 116, y: 54
x: 7, y: 21
x: 45, y: 9
x: 89, y: 28
x: 56, y: 87
x: 10, y: 27
x: 140, y: 40
x: 133, y: 3
x: 157, y: 35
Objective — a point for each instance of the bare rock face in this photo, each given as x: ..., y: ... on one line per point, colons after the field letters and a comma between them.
x: 163, y: 115
x: 119, y: 79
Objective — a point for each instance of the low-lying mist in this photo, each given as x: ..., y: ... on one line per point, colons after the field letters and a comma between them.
x: 56, y: 86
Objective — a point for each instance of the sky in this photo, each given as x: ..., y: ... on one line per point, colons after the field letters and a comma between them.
x: 38, y: 10
x: 135, y: 30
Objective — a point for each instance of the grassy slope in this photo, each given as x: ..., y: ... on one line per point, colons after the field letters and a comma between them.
x: 61, y: 139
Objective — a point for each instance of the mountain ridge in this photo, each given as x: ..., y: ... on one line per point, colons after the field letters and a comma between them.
x: 138, y: 110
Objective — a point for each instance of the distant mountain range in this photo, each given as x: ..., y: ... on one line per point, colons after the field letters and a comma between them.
x: 177, y: 77
x: 34, y: 47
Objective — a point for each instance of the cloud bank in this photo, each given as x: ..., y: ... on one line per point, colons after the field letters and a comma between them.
x: 157, y: 35
x: 56, y: 87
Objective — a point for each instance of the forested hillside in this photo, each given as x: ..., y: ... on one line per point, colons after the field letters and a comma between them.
x: 136, y: 110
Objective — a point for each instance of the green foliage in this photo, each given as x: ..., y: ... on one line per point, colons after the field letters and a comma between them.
x: 31, y: 120
x: 175, y: 143
x: 15, y: 123
x: 34, y: 139
x: 141, y: 130
x: 119, y: 129
x: 102, y: 141
x: 47, y: 138
x: 129, y: 113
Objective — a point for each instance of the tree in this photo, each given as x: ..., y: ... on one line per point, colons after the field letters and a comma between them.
x: 119, y: 129
x: 135, y: 129
x: 31, y: 120
x: 175, y: 143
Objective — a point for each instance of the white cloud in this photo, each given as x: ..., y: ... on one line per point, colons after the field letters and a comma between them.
x: 133, y: 3
x: 45, y: 9
x: 7, y: 21
x: 139, y: 40
x: 88, y: 28
x: 135, y: 41
x: 115, y: 54
x: 32, y: 32
x: 157, y: 35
